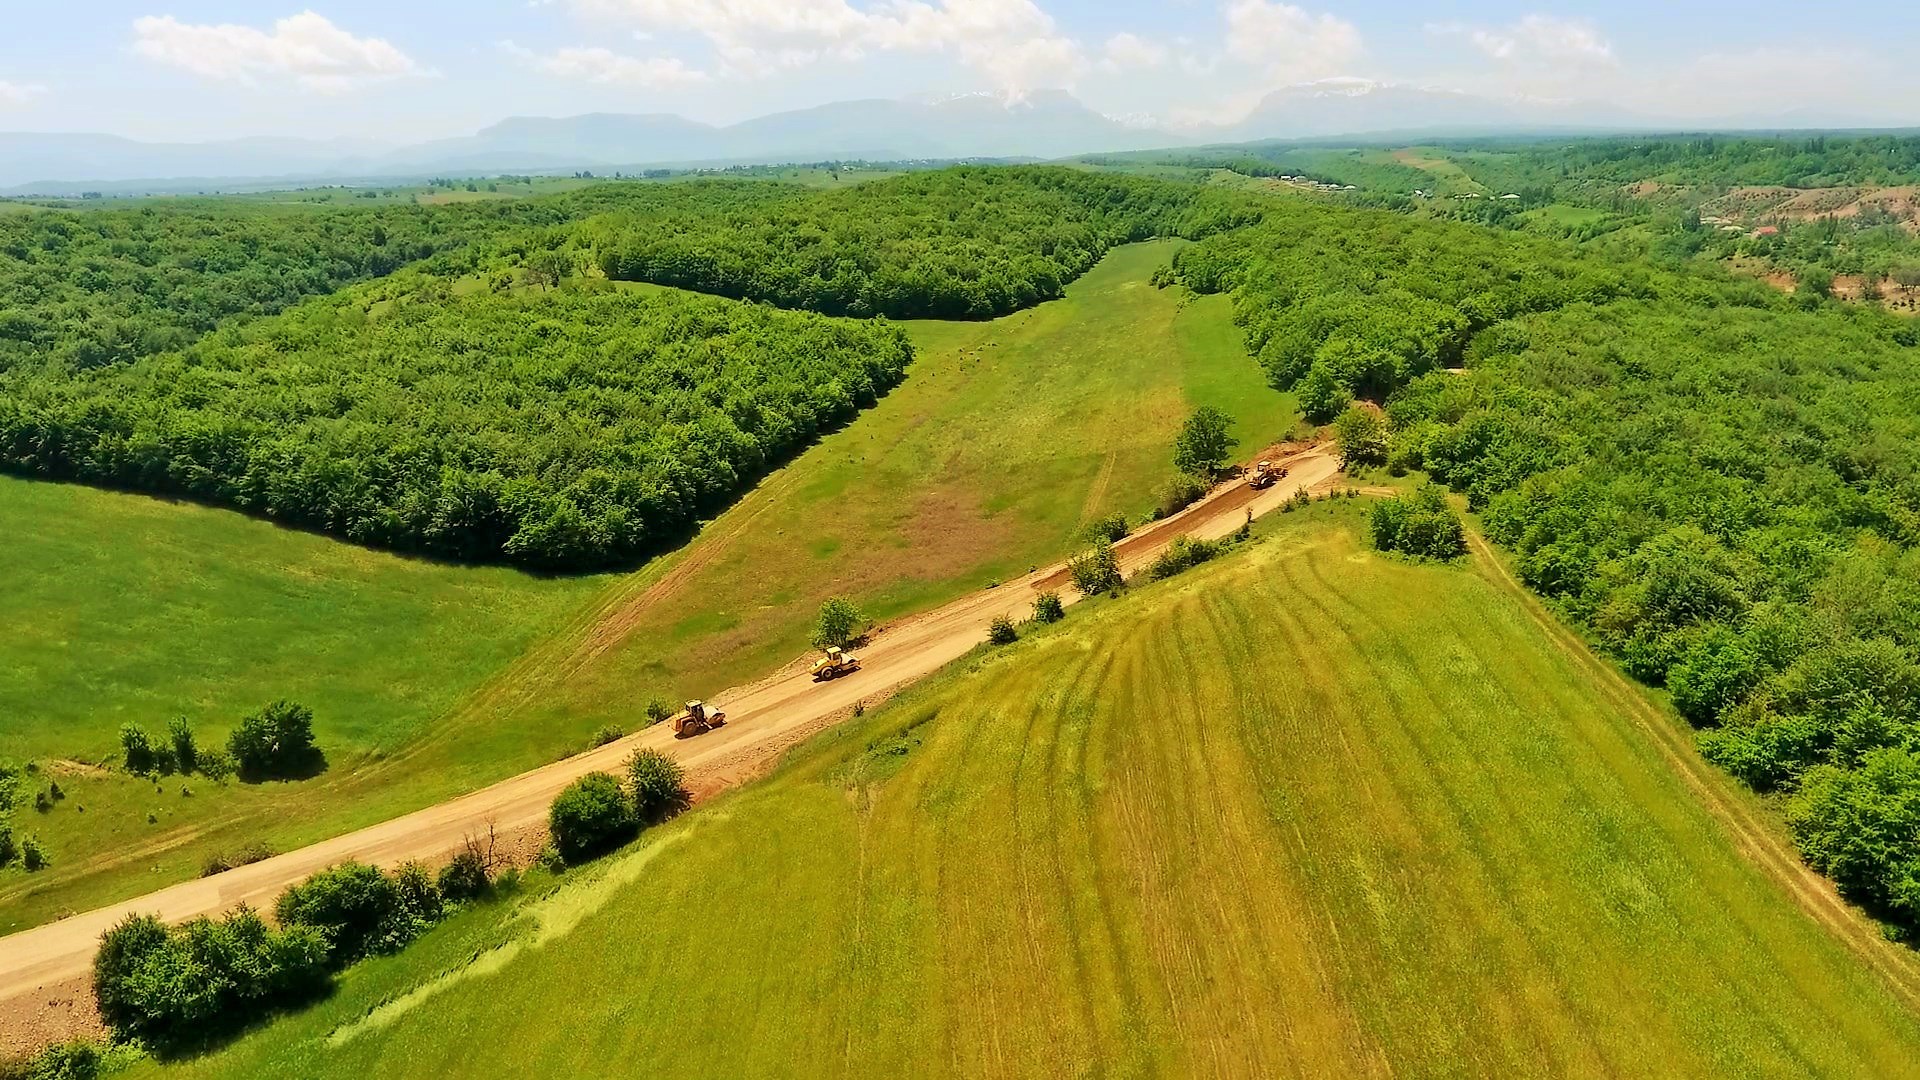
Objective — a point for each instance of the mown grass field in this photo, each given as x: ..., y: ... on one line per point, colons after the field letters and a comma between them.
x: 430, y: 680
x: 1308, y: 811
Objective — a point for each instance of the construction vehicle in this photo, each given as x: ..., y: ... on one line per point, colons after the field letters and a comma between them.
x: 835, y: 664
x: 697, y: 720
x: 1264, y: 475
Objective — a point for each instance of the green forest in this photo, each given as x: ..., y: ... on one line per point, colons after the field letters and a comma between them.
x: 1720, y: 484
x: 964, y: 243
x: 569, y: 428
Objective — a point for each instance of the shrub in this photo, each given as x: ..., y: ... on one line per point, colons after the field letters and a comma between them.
x: 184, y: 985
x: 360, y: 911
x: 839, y: 623
x: 122, y: 951
x: 1176, y: 495
x: 33, y: 854
x: 610, y: 733
x: 1001, y: 631
x: 275, y: 743
x: 590, y: 816
x: 76, y: 1060
x: 1095, y: 571
x: 1184, y: 553
x: 468, y: 876
x: 657, y: 782
x: 1420, y: 524
x: 1048, y: 609
x: 9, y: 849
x: 137, y: 748
x: 214, y: 763
x: 1362, y: 437
x: 1203, y: 444
x: 1113, y: 528
x: 221, y: 862
x: 186, y: 752
x: 658, y: 710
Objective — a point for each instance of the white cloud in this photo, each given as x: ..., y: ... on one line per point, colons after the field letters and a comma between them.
x: 1011, y: 41
x: 305, y: 47
x: 604, y: 66
x: 1291, y: 43
x: 1536, y: 38
x: 1125, y: 50
x: 15, y: 94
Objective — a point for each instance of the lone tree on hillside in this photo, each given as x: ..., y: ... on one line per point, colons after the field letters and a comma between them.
x: 1202, y: 448
x: 839, y: 623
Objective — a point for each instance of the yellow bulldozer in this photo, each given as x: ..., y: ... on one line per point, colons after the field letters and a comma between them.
x: 835, y: 664
x: 697, y: 720
x: 1264, y: 475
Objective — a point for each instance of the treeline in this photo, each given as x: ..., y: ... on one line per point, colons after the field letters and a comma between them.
x: 88, y: 288
x: 1721, y: 485
x: 572, y: 428
x: 961, y: 243
x: 1337, y: 303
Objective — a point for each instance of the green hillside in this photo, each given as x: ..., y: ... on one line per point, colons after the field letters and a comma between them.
x: 1309, y: 811
x: 429, y: 680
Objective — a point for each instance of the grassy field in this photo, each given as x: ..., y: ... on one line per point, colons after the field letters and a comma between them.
x: 1308, y: 811
x: 1005, y: 438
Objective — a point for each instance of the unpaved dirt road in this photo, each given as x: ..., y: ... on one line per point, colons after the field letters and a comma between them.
x: 763, y: 721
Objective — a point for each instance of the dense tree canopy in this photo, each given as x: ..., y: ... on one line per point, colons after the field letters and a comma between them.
x: 958, y: 243
x: 1721, y: 484
x: 573, y: 428
x: 87, y: 288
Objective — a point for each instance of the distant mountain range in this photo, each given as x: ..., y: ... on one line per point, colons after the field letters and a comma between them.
x: 1049, y: 124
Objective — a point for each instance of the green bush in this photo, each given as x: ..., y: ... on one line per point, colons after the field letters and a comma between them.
x: 214, y: 763
x: 183, y: 986
x: 275, y: 743
x: 1096, y: 570
x: 136, y: 746
x: 186, y: 751
x: 658, y: 710
x: 1420, y: 524
x: 33, y: 854
x: 1001, y: 631
x: 1048, y: 609
x: 592, y: 815
x: 1361, y: 434
x: 1183, y: 553
x: 1113, y: 528
x: 609, y: 733
x: 1176, y: 495
x: 657, y: 783
x: 360, y: 911
x: 76, y: 1060
x: 467, y: 876
x: 840, y: 622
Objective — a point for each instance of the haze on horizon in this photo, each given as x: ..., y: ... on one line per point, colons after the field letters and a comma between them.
x: 190, y: 70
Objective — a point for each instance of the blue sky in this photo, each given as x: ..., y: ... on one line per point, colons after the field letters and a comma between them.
x: 410, y: 69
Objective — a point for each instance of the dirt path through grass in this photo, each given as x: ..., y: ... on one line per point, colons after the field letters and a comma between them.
x: 764, y: 720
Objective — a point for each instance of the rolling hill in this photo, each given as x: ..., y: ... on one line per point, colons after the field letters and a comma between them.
x: 1282, y: 816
